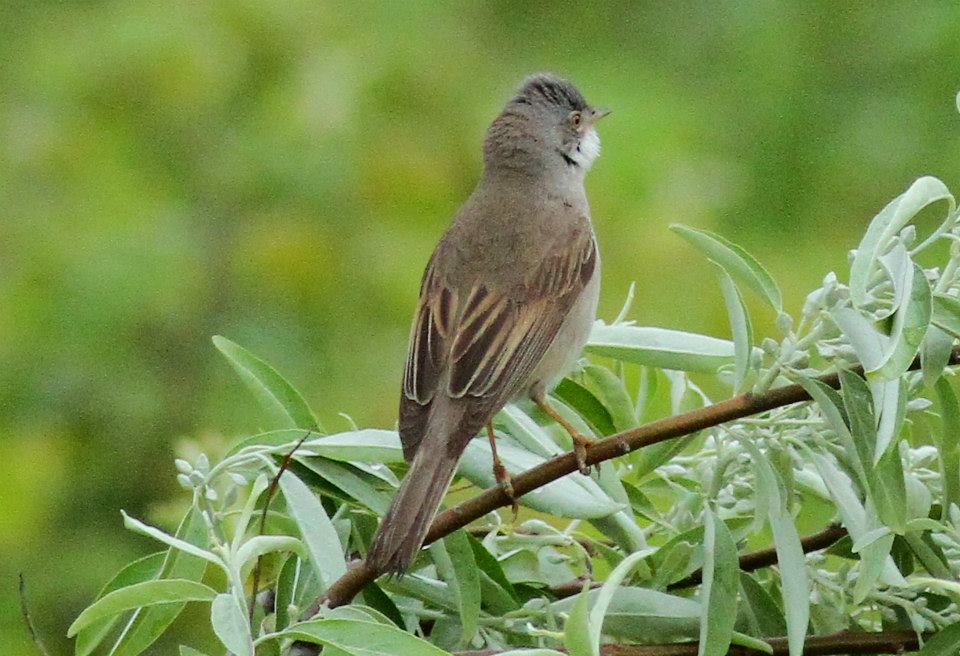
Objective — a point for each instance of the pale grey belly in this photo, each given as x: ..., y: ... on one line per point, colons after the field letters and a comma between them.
x: 563, y: 352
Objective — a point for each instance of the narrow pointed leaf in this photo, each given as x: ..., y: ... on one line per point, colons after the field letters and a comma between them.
x: 721, y: 570
x: 660, y: 347
x: 360, y: 638
x: 740, y: 329
x: 948, y: 443
x: 230, y: 625
x: 277, y: 396
x: 319, y: 535
x: 138, y: 595
x: 737, y: 262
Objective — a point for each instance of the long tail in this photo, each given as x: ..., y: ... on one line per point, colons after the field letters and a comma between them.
x: 404, y: 527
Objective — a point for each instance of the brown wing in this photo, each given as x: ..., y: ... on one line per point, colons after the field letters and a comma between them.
x: 485, y: 345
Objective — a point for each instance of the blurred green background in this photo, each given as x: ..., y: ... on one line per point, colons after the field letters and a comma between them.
x: 278, y: 172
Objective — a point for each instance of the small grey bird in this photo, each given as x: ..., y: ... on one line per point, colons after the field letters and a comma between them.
x: 506, y: 302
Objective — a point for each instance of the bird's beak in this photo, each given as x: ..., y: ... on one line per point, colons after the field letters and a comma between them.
x: 597, y: 113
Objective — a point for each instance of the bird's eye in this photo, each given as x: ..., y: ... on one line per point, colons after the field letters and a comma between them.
x: 575, y: 119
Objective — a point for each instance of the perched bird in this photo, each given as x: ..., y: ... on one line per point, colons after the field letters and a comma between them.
x: 506, y: 302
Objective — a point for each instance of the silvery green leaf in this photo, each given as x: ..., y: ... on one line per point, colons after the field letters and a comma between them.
x: 865, y: 339
x: 259, y: 486
x: 790, y: 557
x: 417, y: 586
x: 831, y: 405
x: 890, y: 401
x: 948, y: 444
x: 910, y: 324
x: 359, y: 638
x: 935, y: 352
x: 138, y: 595
x: 230, y: 625
x: 144, y: 529
x: 764, y: 613
x: 190, y: 651
x: 740, y: 329
x: 278, y: 396
x: 261, y: 544
x: 721, y: 570
x: 576, y: 630
x: 575, y: 496
x: 145, y: 625
x: 603, y: 599
x: 660, y: 347
x: 898, y: 213
x: 875, y: 560
x: 898, y: 267
x: 639, y: 614
x: 319, y: 535
x: 527, y: 432
x: 367, y: 445
x: 738, y: 263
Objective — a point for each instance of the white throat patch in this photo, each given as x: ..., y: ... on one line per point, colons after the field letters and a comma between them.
x: 588, y: 149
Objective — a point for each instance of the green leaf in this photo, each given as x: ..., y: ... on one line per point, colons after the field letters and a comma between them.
x: 138, y: 595
x: 738, y: 263
x: 948, y: 445
x: 659, y: 347
x: 946, y: 314
x: 319, y: 535
x: 368, y: 445
x: 263, y: 544
x: 576, y: 630
x: 740, y: 329
x: 286, y: 591
x: 763, y: 610
x: 636, y: 614
x: 891, y: 219
x: 935, y: 352
x: 350, y: 481
x: 146, y: 625
x: 613, y: 394
x: 277, y: 396
x: 465, y: 580
x: 190, y: 651
x: 230, y: 625
x: 575, y: 496
x: 359, y: 638
x: 604, y: 598
x: 866, y: 340
x: 584, y: 402
x: 945, y: 642
x: 142, y: 569
x: 721, y: 569
x: 909, y: 327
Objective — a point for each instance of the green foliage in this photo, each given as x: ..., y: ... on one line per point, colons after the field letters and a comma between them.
x: 640, y: 523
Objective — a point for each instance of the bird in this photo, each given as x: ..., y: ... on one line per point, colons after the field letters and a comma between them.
x: 506, y: 303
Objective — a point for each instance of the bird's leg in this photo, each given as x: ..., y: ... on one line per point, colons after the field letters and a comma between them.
x: 580, y: 441
x: 500, y: 472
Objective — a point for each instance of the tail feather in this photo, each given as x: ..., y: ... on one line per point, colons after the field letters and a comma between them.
x: 406, y: 523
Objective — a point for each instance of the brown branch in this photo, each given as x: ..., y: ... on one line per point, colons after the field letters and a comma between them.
x: 845, y: 642
x: 344, y: 589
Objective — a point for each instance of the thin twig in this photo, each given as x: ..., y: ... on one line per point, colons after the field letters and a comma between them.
x: 271, y: 490
x: 344, y: 589
x: 845, y: 642
x: 25, y: 611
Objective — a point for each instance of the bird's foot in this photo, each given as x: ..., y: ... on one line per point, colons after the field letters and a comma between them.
x: 580, y: 444
x: 505, y: 482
